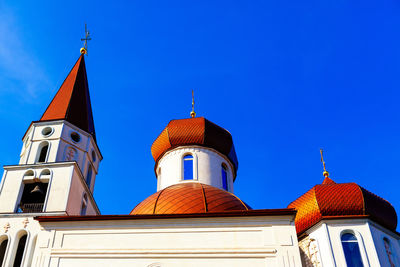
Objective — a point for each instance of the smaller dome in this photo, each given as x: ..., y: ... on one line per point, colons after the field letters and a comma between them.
x: 194, y: 131
x: 189, y: 197
x: 331, y: 200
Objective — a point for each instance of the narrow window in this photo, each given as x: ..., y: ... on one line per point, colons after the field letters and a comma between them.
x: 89, y: 175
x: 351, y: 250
x: 389, y: 252
x: 224, y: 174
x: 3, y: 248
x: 84, y: 205
x: 188, y: 167
x: 20, y: 251
x: 43, y: 153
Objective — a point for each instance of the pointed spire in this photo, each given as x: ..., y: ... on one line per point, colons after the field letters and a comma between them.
x: 72, y: 101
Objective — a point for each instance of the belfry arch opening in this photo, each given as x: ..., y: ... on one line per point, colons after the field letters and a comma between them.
x: 33, y: 197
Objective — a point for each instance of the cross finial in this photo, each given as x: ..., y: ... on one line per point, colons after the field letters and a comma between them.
x: 325, y: 173
x: 192, y: 113
x: 87, y: 38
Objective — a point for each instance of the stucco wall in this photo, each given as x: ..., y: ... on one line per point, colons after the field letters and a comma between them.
x: 235, y: 241
x: 207, y: 167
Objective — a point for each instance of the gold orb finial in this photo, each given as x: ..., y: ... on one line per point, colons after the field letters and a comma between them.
x: 83, y: 51
x: 192, y: 113
x: 325, y: 173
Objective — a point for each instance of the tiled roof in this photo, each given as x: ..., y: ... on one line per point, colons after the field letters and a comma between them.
x: 194, y: 131
x: 333, y: 200
x: 190, y: 197
x: 72, y: 101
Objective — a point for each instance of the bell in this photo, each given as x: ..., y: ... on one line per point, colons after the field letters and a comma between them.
x: 37, y: 190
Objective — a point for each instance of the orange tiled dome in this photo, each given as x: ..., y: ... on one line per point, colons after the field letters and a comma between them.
x: 332, y: 200
x: 194, y: 131
x: 189, y: 198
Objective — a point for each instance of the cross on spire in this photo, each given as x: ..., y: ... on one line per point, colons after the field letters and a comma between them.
x: 325, y: 173
x: 192, y: 113
x: 85, y: 40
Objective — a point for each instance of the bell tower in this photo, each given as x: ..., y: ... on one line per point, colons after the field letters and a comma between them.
x: 59, y: 159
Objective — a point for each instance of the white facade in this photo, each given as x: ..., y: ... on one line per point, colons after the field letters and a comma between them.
x: 207, y: 167
x: 217, y: 241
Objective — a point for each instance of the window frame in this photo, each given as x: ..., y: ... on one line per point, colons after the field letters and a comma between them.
x: 183, y: 166
x: 360, y: 243
x: 39, y: 152
x: 18, y: 237
x: 5, y: 237
x: 224, y: 168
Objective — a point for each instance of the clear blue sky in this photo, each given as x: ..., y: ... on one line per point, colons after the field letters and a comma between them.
x: 284, y: 77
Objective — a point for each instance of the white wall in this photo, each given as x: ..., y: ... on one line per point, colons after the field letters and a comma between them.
x: 77, y: 189
x: 230, y: 241
x: 64, y: 180
x: 60, y: 144
x: 12, y: 227
x: 207, y: 167
x: 328, y: 233
x: 378, y: 234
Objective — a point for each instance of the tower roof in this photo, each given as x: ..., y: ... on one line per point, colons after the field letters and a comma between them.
x: 72, y: 101
x: 331, y: 200
x: 194, y: 131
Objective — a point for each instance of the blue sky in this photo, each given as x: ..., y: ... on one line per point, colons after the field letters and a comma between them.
x: 284, y: 77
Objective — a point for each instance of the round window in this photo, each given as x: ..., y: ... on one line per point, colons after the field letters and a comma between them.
x: 47, y: 131
x: 75, y: 137
x: 93, y: 156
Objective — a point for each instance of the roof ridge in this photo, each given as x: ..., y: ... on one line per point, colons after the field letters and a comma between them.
x: 155, y: 202
x: 204, y: 197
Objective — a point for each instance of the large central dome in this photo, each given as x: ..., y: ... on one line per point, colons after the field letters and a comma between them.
x: 191, y: 197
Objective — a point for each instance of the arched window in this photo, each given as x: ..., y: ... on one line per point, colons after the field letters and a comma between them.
x: 3, y: 249
x: 224, y: 175
x: 89, y: 175
x: 351, y: 250
x: 43, y: 148
x: 20, y: 250
x: 84, y: 205
x: 188, y: 167
x: 29, y: 174
x: 389, y: 252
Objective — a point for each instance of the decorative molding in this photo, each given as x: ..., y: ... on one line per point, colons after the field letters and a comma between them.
x: 6, y: 227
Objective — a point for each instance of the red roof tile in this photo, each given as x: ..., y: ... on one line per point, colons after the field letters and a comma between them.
x: 189, y: 198
x: 72, y: 101
x: 194, y: 131
x: 332, y: 200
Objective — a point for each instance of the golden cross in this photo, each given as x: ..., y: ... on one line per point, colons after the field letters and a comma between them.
x: 87, y: 38
x: 192, y: 113
x: 325, y: 173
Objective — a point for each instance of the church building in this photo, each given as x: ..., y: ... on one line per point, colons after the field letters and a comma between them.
x: 49, y: 217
